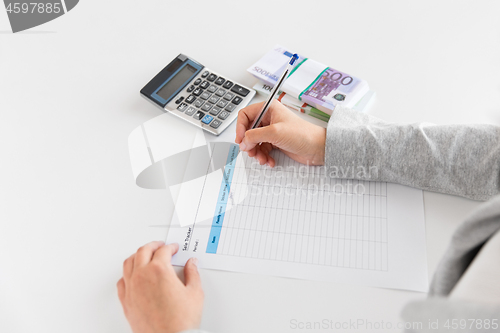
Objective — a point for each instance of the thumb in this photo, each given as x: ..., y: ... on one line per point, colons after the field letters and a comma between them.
x: 191, y: 274
x: 262, y: 134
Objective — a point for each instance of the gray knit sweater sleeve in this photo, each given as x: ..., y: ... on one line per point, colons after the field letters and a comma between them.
x: 462, y: 160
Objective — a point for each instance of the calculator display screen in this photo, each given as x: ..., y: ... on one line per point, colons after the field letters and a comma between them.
x: 176, y: 82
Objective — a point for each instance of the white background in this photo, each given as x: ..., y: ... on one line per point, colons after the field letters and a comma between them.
x: 70, y: 212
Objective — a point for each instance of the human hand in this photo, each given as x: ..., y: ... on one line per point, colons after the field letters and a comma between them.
x: 154, y: 299
x: 282, y: 129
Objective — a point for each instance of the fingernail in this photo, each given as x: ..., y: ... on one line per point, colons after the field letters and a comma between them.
x: 243, y: 146
x: 194, y: 261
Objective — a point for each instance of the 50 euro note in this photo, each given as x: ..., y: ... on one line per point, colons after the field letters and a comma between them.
x: 310, y: 81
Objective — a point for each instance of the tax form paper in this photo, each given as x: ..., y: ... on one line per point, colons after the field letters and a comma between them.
x: 293, y: 220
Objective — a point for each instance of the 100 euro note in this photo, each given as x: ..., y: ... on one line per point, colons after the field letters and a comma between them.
x: 292, y: 103
x: 310, y: 81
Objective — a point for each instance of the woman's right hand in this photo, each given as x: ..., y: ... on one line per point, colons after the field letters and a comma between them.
x: 282, y: 129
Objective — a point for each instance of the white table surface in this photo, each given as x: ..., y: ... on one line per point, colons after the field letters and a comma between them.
x: 69, y: 96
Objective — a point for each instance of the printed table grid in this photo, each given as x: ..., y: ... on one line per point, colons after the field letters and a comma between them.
x: 306, y: 217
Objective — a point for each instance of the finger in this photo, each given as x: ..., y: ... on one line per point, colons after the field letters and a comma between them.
x: 121, y: 290
x: 271, y: 161
x: 165, y: 253
x: 145, y: 253
x: 252, y: 152
x: 267, y: 148
x: 191, y: 274
x: 255, y: 136
x: 246, y: 117
x: 128, y: 266
x: 261, y: 157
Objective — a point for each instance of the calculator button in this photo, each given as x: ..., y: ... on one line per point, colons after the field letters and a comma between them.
x: 240, y: 90
x: 211, y: 77
x: 197, y: 82
x: 220, y: 92
x: 205, y: 95
x: 205, y: 74
x: 216, y: 123
x: 207, y: 119
x: 179, y: 100
x: 197, y: 91
x: 223, y: 115
x: 198, y: 115
x: 229, y: 96
x: 213, y: 100
x: 222, y: 103
x: 205, y: 85
x: 182, y: 107
x: 230, y: 107
x: 207, y: 107
x: 198, y: 103
x: 190, y: 111
x: 237, y: 100
x: 228, y: 84
x: 212, y: 89
x: 191, y: 88
x: 220, y: 81
x: 190, y: 99
x: 215, y: 110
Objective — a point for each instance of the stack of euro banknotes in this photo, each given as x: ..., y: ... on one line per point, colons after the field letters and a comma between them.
x: 311, y: 87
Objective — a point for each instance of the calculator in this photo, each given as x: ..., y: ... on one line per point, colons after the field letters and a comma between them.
x: 197, y: 94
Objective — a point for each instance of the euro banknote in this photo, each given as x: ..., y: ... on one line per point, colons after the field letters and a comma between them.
x: 310, y: 82
x: 294, y: 104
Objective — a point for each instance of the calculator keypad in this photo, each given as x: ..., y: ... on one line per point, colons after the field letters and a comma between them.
x: 220, y: 81
x: 205, y: 95
x: 190, y: 99
x: 220, y: 92
x: 182, y: 107
x: 206, y: 107
x: 205, y: 85
x: 197, y: 91
x: 215, y: 110
x: 222, y: 104
x: 240, y: 90
x: 216, y: 123
x: 198, y: 115
x: 237, y: 100
x: 210, y: 99
x: 223, y: 115
x: 207, y: 119
x: 198, y: 103
x: 190, y: 111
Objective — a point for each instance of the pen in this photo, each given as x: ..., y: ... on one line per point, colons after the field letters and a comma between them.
x: 276, y: 88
